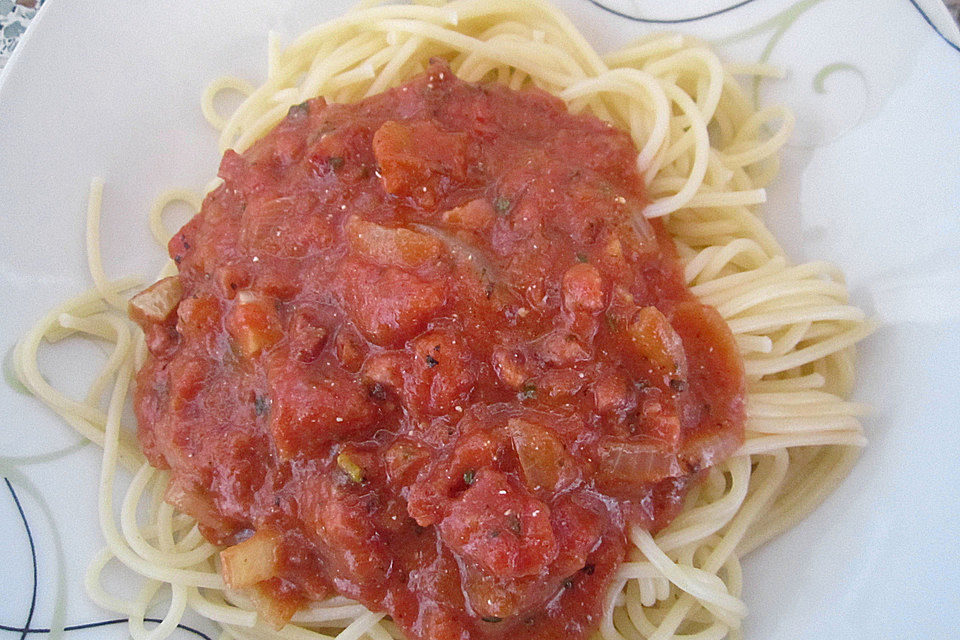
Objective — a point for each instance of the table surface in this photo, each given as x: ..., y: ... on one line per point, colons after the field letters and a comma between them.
x: 15, y: 15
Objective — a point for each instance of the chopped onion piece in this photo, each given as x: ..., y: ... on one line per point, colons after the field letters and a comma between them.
x: 155, y: 303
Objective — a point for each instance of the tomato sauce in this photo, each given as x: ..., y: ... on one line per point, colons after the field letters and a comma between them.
x: 430, y: 341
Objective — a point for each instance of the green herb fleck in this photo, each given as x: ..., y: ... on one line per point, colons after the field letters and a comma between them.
x: 431, y: 361
x: 528, y: 391
x: 582, y: 257
x: 491, y: 619
x: 613, y: 323
x: 299, y: 110
x: 501, y: 204
x: 336, y: 162
x: 469, y: 476
x: 350, y: 467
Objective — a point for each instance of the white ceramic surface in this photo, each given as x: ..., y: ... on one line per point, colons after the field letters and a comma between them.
x: 872, y: 182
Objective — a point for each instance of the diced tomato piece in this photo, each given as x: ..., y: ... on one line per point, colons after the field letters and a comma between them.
x: 351, y: 348
x: 558, y: 384
x: 613, y: 393
x: 446, y: 372
x: 307, y: 334
x: 284, y: 227
x: 661, y: 423
x: 578, y: 525
x: 232, y: 279
x: 654, y: 339
x: 161, y: 339
x: 583, y: 288
x: 237, y: 171
x: 476, y: 215
x: 273, y: 281
x: 490, y: 596
x: 510, y: 367
x: 386, y: 369
x: 340, y: 520
x: 197, y: 317
x: 713, y: 351
x: 253, y: 324
x: 502, y: 528
x: 430, y: 496
x: 187, y: 377
x: 400, y: 309
x: 391, y: 246
x: 547, y: 467
x: 404, y: 460
x: 411, y: 153
x: 310, y: 411
x: 562, y: 348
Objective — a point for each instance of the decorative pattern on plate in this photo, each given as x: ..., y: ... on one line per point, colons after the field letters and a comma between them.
x: 851, y: 104
x: 651, y: 12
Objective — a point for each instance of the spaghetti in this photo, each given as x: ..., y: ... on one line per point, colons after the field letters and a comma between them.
x: 706, y: 154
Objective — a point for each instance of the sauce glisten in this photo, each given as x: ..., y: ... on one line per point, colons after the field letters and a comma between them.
x: 429, y: 340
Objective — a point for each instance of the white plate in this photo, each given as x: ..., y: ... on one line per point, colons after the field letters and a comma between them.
x: 111, y: 88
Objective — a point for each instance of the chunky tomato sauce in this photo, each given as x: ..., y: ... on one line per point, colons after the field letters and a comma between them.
x: 430, y: 344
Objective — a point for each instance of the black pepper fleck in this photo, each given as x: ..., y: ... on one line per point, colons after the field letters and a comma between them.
x: 261, y: 404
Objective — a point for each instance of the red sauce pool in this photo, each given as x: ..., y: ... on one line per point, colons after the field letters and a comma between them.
x: 430, y: 340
